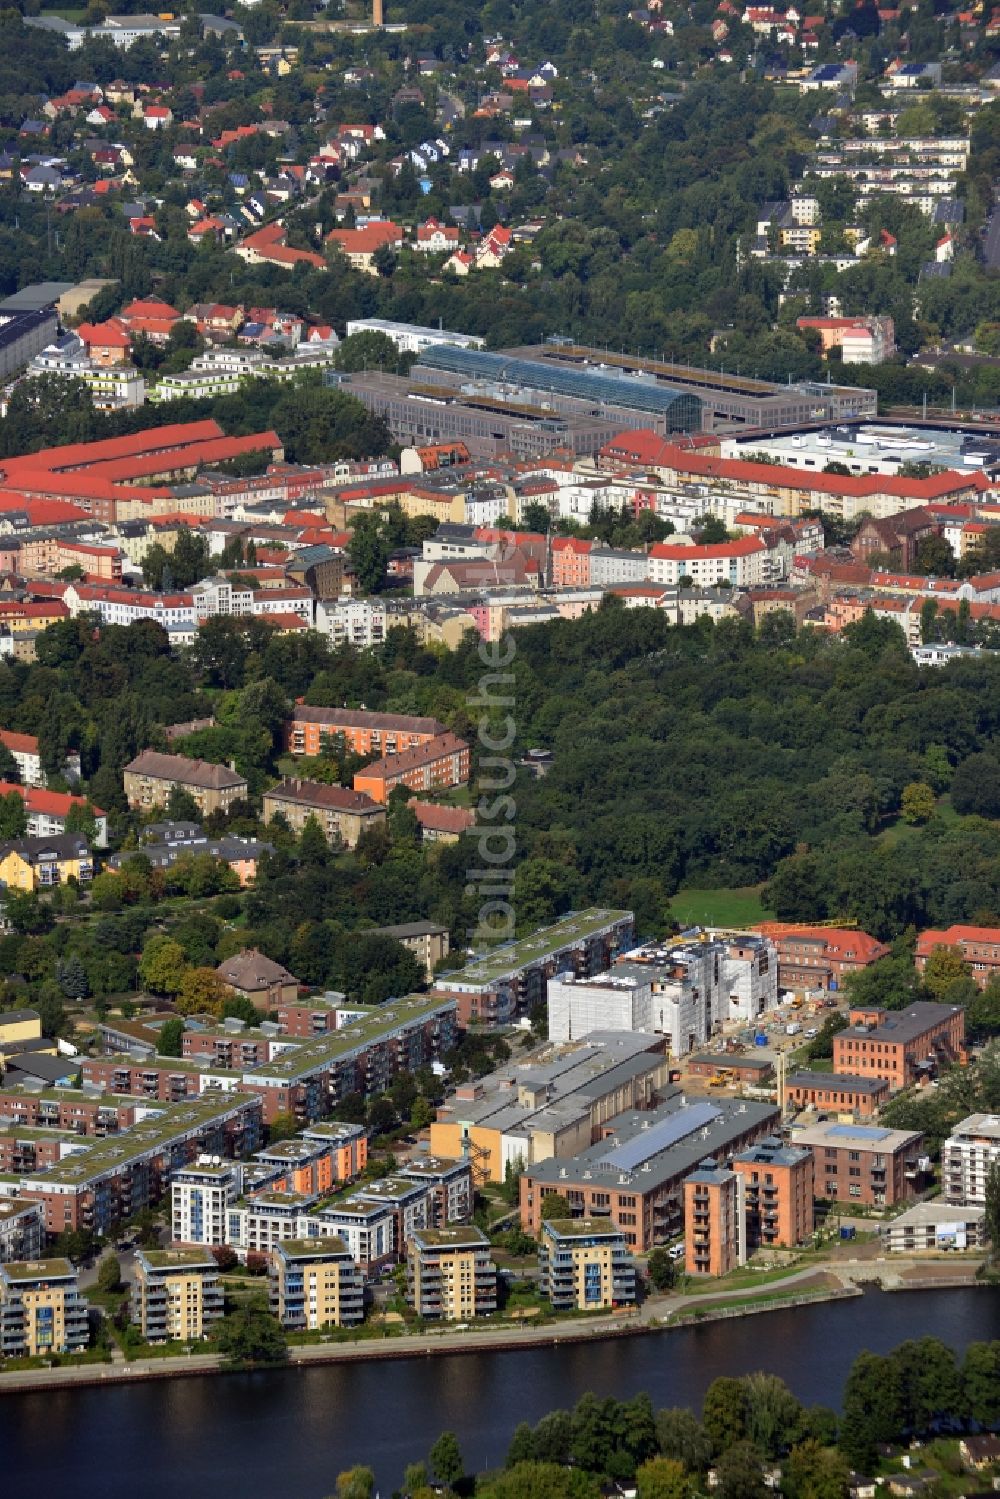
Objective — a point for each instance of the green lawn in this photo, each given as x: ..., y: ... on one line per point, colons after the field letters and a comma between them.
x: 719, y: 907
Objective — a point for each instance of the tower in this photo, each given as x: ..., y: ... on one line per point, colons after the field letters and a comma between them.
x: 377, y: 13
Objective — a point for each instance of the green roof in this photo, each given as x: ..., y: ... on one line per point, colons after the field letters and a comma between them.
x: 39, y: 1132
x: 156, y: 1063
x: 32, y: 1270
x: 582, y: 1228
x: 72, y: 1095
x: 177, y: 1259
x: 455, y: 1237
x: 313, y: 1056
x: 300, y: 1249
x: 171, y: 1122
x: 503, y: 962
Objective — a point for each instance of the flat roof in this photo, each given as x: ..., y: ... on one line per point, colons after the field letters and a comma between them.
x: 313, y: 1249
x: 313, y: 1056
x: 904, y: 1025
x: 32, y: 1270
x: 931, y: 1214
x: 511, y: 957
x: 455, y: 1236
x: 177, y: 1259
x: 856, y: 1136
x: 582, y: 1228
x: 862, y: 444
x: 846, y: 1082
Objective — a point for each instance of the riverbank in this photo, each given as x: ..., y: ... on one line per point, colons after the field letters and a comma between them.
x: 844, y: 1280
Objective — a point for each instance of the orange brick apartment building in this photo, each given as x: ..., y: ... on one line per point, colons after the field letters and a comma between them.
x: 979, y: 946
x: 899, y: 1045
x: 362, y: 733
x: 777, y: 1193
x: 714, y: 1221
x: 819, y: 957
x: 434, y: 766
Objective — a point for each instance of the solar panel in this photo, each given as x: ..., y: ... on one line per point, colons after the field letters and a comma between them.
x: 649, y: 1142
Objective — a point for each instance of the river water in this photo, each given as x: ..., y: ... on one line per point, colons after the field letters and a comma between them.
x: 287, y: 1434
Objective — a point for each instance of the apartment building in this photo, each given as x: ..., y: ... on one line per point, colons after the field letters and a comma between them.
x: 899, y: 1045
x: 967, y: 1155
x: 979, y: 946
x: 342, y: 814
x: 42, y: 863
x: 742, y: 564
x: 448, y: 1185
x: 41, y: 1309
x: 200, y: 1197
x: 177, y: 1295
x: 231, y: 1046
x: 47, y: 811
x: 860, y: 340
x: 101, y: 1182
x: 437, y: 765
x: 862, y: 1163
x: 314, y: 1283
x: 520, y: 1115
x: 933, y: 1226
x: 325, y: 1157
x: 24, y: 748
x: 514, y: 977
x: 819, y: 957
x: 714, y: 1221
x: 429, y: 943
x: 584, y: 1265
x: 150, y: 778
x: 22, y: 1232
x: 310, y: 731
x: 777, y: 1194
x: 837, y: 1093
x: 69, y: 1109
x: 634, y: 1174
x: 449, y: 1274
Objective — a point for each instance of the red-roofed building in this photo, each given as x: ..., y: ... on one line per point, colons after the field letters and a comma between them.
x: 267, y: 247
x: 740, y: 563
x: 360, y: 246
x: 441, y: 824
x: 47, y: 811
x: 435, y: 238
x: 819, y: 957
x: 571, y: 562
x: 107, y: 343
x: 979, y: 946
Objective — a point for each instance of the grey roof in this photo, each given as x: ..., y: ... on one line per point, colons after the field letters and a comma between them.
x: 904, y: 1025
x: 184, y: 771
x: 36, y: 297
x: 410, y: 929
x: 845, y: 1081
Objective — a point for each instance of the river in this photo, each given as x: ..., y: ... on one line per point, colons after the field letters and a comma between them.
x: 286, y: 1435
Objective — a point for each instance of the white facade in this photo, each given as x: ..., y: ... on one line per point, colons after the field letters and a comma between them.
x: 934, y: 1226
x: 200, y: 1198
x: 411, y: 338
x: 742, y: 564
x: 576, y: 1006
x: 966, y: 1157
x: 362, y: 623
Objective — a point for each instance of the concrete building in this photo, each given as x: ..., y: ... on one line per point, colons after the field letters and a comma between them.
x: 429, y: 943
x: 935, y: 1226
x: 518, y: 1116
x: 714, y: 1221
x: 514, y: 977
x: 200, y: 1197
x: 861, y: 340
x: 411, y: 338
x: 862, y: 1163
x: 741, y: 564
x: 777, y: 1194
x: 314, y: 1283
x: 837, y: 1093
x: 177, y: 1295
x: 343, y: 815
x: 22, y: 1231
x: 900, y: 1045
x: 634, y: 1174
x: 450, y: 1275
x: 967, y: 1155
x: 584, y: 1266
x: 150, y: 778
x: 41, y: 1309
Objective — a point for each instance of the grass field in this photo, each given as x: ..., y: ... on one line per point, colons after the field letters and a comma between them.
x: 719, y: 907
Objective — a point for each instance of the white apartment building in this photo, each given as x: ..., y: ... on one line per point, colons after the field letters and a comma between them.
x: 411, y: 338
x: 966, y: 1157
x: 362, y: 623
x: 113, y: 388
x: 741, y: 564
x: 200, y: 1199
x: 610, y: 1002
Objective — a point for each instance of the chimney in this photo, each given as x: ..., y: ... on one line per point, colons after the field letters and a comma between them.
x: 377, y: 18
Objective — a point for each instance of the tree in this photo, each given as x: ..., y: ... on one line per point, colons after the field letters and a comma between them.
x: 170, y: 1041
x: 109, y: 1274
x: 250, y: 1336
x: 662, y: 1478
x: 813, y: 1472
x: 162, y: 965
x: 981, y: 1375
x: 356, y: 1483
x: 934, y: 557
x: 368, y: 553
x: 72, y: 977
x: 975, y: 786
x: 422, y: 1113
x: 773, y: 1414
x: 711, y: 530
x: 540, y: 1480
x: 917, y: 803
x: 314, y: 851
x: 13, y: 816
x: 446, y: 1459
x: 661, y: 1268
x: 282, y: 1127
x: 944, y: 965
x: 201, y: 992
x: 554, y: 1206
x: 680, y: 1435
x: 992, y: 1206
x: 872, y: 1410
x: 724, y: 1415
x: 740, y: 1473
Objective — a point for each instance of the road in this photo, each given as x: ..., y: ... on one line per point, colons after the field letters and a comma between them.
x: 991, y: 240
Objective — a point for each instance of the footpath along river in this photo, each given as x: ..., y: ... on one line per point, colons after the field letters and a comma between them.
x: 287, y: 1434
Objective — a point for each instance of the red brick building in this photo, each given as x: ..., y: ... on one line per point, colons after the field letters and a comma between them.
x: 861, y: 1096
x: 819, y: 957
x: 979, y: 946
x: 899, y: 1045
x: 435, y: 766
x: 361, y: 733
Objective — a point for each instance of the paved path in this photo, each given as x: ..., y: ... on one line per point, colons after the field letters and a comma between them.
x: 832, y: 1278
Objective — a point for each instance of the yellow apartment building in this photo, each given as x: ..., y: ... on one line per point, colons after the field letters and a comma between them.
x: 315, y: 1283
x: 41, y: 1309
x: 449, y: 1274
x: 177, y: 1294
